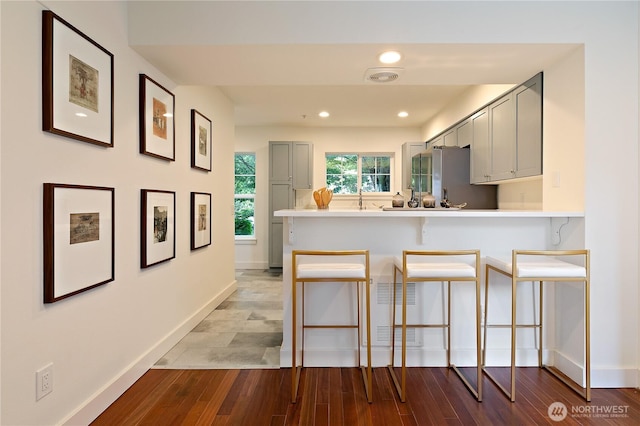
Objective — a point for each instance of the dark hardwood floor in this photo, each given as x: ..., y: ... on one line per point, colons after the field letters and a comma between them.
x: 335, y: 396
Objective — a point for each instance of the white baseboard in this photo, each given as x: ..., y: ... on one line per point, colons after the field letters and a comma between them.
x: 615, y: 378
x: 98, y: 402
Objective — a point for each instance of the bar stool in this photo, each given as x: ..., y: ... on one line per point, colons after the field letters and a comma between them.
x: 541, y: 266
x: 450, y: 267
x: 330, y: 272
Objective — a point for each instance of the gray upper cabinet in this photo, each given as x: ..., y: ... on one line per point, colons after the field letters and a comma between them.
x: 512, y: 148
x: 290, y: 168
x: 409, y: 149
x: 437, y: 141
x: 480, y: 147
x: 528, y: 111
x: 464, y: 133
x: 450, y: 137
x: 291, y: 162
x: 302, y: 165
x: 516, y: 132
x: 280, y: 161
x: 502, y: 130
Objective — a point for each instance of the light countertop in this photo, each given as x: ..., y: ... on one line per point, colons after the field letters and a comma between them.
x: 422, y: 212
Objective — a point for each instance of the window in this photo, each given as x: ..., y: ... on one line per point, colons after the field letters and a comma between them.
x: 347, y: 173
x: 245, y: 193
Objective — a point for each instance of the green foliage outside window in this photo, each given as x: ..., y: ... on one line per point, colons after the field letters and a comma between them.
x: 244, y: 216
x: 245, y: 189
x: 342, y: 173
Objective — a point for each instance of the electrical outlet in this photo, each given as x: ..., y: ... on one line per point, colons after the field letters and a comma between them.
x: 44, y: 381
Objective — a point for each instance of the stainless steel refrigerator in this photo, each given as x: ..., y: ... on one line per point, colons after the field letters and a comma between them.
x: 444, y: 172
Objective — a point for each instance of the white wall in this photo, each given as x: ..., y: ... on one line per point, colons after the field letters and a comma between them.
x: 325, y: 139
x: 99, y: 341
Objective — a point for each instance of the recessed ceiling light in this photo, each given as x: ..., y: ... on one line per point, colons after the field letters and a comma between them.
x: 323, y: 114
x: 403, y: 114
x: 390, y: 57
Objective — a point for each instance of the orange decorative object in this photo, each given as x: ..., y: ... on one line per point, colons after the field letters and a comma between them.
x: 323, y: 197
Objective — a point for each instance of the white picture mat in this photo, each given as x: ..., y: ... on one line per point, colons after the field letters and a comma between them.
x: 95, y: 125
x: 202, y: 161
x: 153, y: 143
x: 157, y: 252
x: 77, y: 266
x: 201, y: 238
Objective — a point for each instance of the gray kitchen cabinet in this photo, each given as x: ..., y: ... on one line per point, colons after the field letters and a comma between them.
x: 290, y: 168
x: 291, y: 162
x: 480, y: 147
x: 502, y: 131
x: 302, y: 165
x: 505, y: 136
x: 528, y: 116
x: 464, y: 133
x: 514, y: 145
x: 409, y: 149
x: 437, y: 141
x: 450, y: 137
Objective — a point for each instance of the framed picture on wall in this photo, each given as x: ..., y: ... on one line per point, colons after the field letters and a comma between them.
x: 157, y: 122
x: 78, y: 236
x: 77, y: 83
x: 157, y: 227
x: 200, y: 220
x: 200, y: 141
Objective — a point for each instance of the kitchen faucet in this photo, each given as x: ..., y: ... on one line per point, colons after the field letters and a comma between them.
x: 360, y: 199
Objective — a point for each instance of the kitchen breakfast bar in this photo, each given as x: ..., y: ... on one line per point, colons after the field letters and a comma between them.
x: 386, y: 233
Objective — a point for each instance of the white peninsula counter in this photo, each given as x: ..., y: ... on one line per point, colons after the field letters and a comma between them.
x: 386, y: 233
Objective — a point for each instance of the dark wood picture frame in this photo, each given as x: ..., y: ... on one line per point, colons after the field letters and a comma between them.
x: 79, y: 239
x: 201, y: 141
x: 157, y: 120
x: 200, y: 220
x: 77, y: 83
x: 157, y: 227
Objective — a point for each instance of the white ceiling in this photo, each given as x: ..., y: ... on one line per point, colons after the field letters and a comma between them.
x: 288, y: 85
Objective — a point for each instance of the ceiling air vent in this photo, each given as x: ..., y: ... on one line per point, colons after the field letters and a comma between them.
x: 382, y: 75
